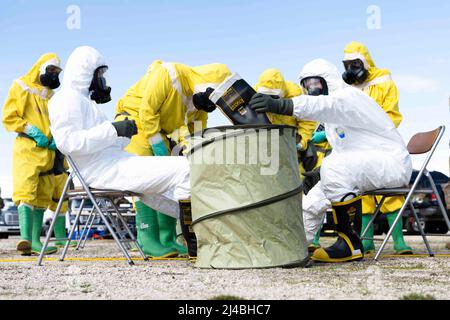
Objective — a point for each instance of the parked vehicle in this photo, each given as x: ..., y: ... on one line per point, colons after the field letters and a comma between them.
x: 99, y: 226
x: 427, y: 207
x: 9, y: 219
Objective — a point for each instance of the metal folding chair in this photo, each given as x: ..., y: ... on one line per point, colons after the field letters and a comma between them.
x: 420, y: 143
x: 104, y: 205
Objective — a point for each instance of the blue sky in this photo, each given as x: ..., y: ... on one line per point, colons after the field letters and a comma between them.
x: 249, y: 36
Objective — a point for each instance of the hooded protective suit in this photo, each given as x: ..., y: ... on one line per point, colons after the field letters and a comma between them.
x: 380, y: 87
x: 161, y: 101
x: 368, y: 152
x: 82, y: 130
x: 26, y: 104
x: 272, y: 82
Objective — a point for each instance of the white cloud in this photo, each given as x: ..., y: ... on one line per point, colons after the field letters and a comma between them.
x: 416, y: 84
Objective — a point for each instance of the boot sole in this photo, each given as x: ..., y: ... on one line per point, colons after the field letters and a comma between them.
x: 166, y: 256
x: 336, y: 260
x: 24, y: 247
x: 36, y: 253
x: 71, y: 245
x: 404, y: 252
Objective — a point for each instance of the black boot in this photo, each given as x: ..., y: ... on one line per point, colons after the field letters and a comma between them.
x: 348, y: 246
x: 186, y: 227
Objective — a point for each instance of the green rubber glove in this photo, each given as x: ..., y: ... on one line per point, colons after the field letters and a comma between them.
x: 160, y: 149
x: 319, y: 137
x: 52, y: 145
x: 37, y: 135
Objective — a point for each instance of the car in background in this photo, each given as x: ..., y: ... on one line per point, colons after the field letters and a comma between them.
x: 427, y: 206
x: 99, y: 227
x: 9, y: 219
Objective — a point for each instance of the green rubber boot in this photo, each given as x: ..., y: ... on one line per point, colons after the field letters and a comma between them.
x: 369, y: 246
x: 400, y: 246
x: 36, y: 244
x: 148, y: 233
x: 168, y: 233
x: 138, y: 240
x: 26, y: 229
x: 60, y: 232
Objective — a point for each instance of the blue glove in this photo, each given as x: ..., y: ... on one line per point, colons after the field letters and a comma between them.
x: 319, y: 137
x: 160, y: 149
x: 52, y: 145
x: 37, y: 135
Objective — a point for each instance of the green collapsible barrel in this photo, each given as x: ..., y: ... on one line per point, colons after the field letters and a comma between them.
x: 246, y: 197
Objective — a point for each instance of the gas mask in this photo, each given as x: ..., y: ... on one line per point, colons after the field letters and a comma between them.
x: 50, y: 78
x: 100, y: 92
x: 201, y: 101
x: 315, y: 86
x: 354, y: 72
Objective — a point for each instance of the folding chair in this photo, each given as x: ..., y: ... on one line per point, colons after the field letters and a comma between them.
x: 420, y: 143
x: 104, y: 205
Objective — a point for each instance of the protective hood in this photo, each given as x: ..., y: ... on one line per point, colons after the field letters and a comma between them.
x: 271, y: 82
x: 209, y: 75
x: 31, y: 79
x: 355, y: 50
x: 327, y: 70
x: 80, y: 69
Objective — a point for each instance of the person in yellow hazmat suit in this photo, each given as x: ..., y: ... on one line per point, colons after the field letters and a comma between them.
x: 166, y: 103
x: 361, y: 72
x: 26, y: 113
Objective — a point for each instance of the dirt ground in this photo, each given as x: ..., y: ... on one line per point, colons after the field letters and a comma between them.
x: 99, y: 272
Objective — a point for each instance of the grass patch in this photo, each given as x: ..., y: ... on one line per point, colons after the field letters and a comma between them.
x: 417, y: 296
x: 226, y: 297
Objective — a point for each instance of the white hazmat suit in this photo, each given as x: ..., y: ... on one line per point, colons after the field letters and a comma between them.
x: 368, y: 152
x: 81, y: 130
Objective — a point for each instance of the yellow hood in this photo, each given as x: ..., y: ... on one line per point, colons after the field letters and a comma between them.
x: 208, y: 75
x: 272, y: 82
x: 355, y: 50
x: 31, y: 79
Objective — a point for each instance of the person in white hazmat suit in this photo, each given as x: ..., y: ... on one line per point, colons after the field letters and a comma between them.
x: 368, y: 152
x: 81, y: 130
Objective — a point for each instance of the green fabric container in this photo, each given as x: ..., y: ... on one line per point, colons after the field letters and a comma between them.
x: 247, y: 213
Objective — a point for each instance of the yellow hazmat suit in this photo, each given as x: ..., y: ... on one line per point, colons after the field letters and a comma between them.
x: 161, y: 104
x: 27, y: 104
x: 272, y: 82
x: 380, y: 87
x: 161, y: 101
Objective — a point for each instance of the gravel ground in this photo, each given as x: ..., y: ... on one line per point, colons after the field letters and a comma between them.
x: 391, y: 278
